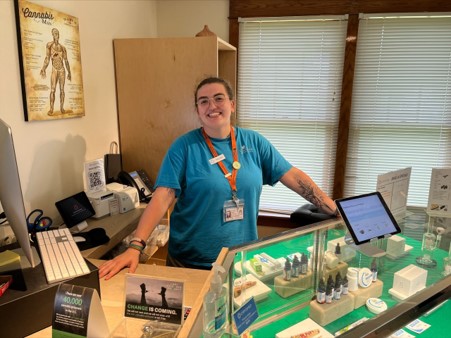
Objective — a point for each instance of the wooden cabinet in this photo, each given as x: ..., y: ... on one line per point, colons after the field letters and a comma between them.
x: 155, y: 82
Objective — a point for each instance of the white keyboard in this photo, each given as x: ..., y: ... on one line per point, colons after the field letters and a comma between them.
x: 60, y: 255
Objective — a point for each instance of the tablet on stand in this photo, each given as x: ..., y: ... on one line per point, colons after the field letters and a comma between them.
x: 368, y: 219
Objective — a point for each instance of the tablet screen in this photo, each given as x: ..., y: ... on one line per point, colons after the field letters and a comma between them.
x: 75, y: 209
x: 367, y: 217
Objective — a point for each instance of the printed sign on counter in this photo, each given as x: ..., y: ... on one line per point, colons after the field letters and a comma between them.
x: 245, y: 315
x: 440, y: 192
x: 154, y: 299
x: 394, y: 188
x: 78, y: 313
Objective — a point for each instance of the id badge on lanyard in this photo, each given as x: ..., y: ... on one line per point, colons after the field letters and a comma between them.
x: 233, y: 210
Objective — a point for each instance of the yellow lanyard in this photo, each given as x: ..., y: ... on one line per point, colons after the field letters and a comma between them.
x: 236, y: 165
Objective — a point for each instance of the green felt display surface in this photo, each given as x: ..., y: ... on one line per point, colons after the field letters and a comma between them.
x: 274, y: 305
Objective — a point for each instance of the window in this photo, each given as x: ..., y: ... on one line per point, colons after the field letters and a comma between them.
x: 289, y: 86
x: 401, y: 106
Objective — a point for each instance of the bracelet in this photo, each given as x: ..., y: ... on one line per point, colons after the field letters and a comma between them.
x: 136, y: 247
x: 139, y: 240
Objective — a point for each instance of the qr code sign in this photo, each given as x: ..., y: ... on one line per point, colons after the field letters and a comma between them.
x: 95, y: 179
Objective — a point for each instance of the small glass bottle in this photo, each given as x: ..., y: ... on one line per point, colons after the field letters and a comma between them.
x: 287, y: 270
x: 331, y: 284
x: 329, y: 293
x: 338, y: 287
x: 345, y: 287
x: 321, y: 292
x: 304, y: 264
x: 295, y: 267
x: 374, y: 269
x: 338, y: 252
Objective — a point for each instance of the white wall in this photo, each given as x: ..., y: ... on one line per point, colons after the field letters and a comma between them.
x: 181, y: 18
x: 51, y: 154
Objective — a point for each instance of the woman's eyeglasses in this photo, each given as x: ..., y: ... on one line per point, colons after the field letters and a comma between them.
x: 218, y: 100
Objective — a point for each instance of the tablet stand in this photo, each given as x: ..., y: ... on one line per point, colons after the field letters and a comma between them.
x: 79, y: 227
x: 368, y: 249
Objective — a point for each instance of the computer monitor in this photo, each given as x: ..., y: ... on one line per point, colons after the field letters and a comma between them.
x: 11, y: 193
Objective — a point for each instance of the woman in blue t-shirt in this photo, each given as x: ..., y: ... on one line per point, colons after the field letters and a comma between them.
x: 215, y: 174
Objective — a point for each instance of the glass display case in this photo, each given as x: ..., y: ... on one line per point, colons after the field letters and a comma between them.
x: 291, y: 278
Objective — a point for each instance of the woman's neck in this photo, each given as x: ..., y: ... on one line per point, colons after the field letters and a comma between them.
x: 221, y: 133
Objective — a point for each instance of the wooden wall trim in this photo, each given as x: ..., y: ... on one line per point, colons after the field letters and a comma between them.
x: 276, y: 8
x: 345, y: 106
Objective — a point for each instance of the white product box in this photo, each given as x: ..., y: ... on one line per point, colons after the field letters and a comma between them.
x: 396, y: 246
x: 408, y: 281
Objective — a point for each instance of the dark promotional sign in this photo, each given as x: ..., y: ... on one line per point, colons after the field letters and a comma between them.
x: 78, y: 313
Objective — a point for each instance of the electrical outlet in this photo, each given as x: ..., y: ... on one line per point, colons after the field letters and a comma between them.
x: 6, y: 235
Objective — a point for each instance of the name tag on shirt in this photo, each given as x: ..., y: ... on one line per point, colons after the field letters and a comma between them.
x: 217, y: 159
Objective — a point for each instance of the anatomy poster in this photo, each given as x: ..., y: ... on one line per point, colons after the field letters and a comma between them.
x: 50, y: 62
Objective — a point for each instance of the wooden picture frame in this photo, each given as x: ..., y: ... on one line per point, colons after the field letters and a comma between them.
x: 50, y: 62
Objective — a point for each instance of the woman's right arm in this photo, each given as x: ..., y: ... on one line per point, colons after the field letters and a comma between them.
x: 161, y: 200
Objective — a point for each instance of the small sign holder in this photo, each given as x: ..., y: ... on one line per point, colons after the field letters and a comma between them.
x: 439, y: 201
x: 245, y: 315
x: 78, y: 313
x: 157, y: 301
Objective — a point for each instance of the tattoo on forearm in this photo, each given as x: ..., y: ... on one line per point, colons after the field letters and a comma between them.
x: 314, y: 195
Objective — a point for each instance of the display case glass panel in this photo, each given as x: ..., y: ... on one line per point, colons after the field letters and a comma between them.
x: 286, y: 296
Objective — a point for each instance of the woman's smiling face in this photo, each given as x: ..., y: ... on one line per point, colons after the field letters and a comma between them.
x: 214, y: 109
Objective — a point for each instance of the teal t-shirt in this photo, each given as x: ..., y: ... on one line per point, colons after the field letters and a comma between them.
x: 197, y: 229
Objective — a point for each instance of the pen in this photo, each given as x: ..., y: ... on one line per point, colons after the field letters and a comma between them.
x: 427, y: 313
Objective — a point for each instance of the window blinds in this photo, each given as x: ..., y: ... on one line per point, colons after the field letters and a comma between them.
x: 401, y: 105
x: 289, y: 86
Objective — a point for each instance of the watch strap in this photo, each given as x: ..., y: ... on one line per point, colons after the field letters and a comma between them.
x: 139, y: 240
x: 136, y: 247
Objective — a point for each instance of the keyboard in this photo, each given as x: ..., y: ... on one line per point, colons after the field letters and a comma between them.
x: 60, y: 255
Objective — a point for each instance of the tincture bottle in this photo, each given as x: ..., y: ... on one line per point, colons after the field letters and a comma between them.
x: 331, y: 284
x: 338, y: 287
x: 295, y: 267
x: 304, y: 264
x: 287, y: 270
x: 329, y: 293
x: 338, y: 252
x: 345, y: 289
x: 321, y: 292
x: 374, y: 269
